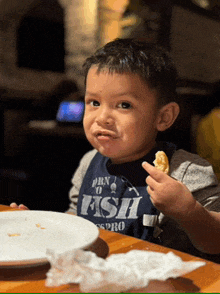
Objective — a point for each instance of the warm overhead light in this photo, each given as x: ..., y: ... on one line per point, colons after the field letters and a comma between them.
x: 202, y: 3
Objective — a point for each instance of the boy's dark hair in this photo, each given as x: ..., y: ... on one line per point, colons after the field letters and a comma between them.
x: 151, y: 62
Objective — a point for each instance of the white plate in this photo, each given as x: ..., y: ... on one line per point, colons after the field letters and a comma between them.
x: 26, y: 235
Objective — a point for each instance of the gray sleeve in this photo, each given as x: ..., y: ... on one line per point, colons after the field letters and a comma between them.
x: 77, y: 180
x: 198, y: 175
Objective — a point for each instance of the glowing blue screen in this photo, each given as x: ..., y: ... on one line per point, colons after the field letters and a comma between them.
x: 70, y: 111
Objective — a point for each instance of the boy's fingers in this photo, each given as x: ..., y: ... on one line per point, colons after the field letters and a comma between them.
x: 13, y: 205
x: 156, y: 174
x: 151, y: 182
x: 150, y: 189
x: 23, y: 207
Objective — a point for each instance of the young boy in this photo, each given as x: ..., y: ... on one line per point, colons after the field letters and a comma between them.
x: 130, y: 97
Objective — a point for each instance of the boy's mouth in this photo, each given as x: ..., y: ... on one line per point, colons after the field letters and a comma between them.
x: 105, y: 135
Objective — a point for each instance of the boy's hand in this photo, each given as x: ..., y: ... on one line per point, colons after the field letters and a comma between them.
x: 168, y: 195
x: 21, y: 206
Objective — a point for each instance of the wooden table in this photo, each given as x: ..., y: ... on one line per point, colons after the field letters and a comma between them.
x: 32, y: 280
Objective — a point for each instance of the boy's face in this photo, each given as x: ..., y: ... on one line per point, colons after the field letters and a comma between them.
x: 121, y: 115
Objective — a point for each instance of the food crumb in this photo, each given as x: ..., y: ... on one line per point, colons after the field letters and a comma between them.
x: 39, y: 226
x: 14, y: 235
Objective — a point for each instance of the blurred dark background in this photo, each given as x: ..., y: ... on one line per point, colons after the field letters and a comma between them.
x: 42, y: 47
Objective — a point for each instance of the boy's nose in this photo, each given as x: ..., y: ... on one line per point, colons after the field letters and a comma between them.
x: 104, y: 117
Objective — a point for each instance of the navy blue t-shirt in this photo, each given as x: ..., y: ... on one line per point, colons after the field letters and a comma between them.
x: 114, y: 196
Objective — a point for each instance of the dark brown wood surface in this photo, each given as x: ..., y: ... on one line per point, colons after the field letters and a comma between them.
x: 32, y: 280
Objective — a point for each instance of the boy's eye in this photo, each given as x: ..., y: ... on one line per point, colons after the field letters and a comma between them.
x: 94, y: 103
x: 125, y: 105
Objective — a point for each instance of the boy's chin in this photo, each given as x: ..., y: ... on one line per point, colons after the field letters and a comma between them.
x: 106, y: 154
x: 115, y: 158
x: 112, y: 154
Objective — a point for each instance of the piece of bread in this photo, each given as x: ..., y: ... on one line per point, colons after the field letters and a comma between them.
x: 161, y: 161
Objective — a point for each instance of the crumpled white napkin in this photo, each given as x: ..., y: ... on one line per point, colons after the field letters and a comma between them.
x: 119, y: 272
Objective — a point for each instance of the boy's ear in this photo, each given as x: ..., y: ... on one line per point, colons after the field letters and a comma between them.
x: 167, y: 116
